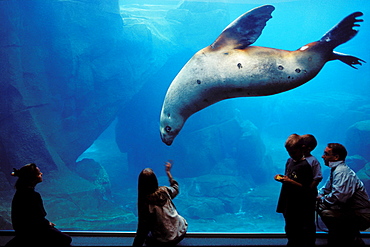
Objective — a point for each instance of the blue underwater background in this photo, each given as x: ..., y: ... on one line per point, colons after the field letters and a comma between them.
x: 109, y: 100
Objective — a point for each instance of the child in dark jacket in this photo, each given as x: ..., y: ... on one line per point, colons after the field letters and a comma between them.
x: 297, y: 197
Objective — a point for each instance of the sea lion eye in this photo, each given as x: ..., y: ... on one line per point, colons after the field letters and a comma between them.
x: 167, y: 128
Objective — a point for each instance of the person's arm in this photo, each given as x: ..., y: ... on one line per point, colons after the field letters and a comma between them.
x: 325, y: 189
x: 37, y: 216
x: 174, y: 185
x: 168, y: 167
x: 286, y: 179
x: 342, y: 188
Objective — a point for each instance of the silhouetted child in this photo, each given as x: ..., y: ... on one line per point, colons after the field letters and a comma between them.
x: 310, y: 144
x: 297, y: 197
x: 28, y: 213
x: 159, y: 223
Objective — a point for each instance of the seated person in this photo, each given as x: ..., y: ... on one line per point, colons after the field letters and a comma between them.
x: 159, y: 223
x: 344, y: 205
x: 28, y: 213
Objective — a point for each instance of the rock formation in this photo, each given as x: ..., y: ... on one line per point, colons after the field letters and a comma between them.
x: 64, y: 77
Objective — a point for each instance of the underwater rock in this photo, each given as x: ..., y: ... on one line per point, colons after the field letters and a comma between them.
x: 78, y: 205
x: 223, y: 143
x: 4, y: 183
x: 207, y: 196
x: 214, y: 144
x: 356, y: 162
x: 190, y: 14
x: 206, y: 208
x: 89, y: 169
x: 6, y: 193
x: 65, y: 78
x: 227, y: 166
x: 219, y: 186
x: 5, y: 222
x: 229, y: 145
x: 261, y: 199
x: 94, y: 172
x: 334, y: 118
x: 364, y: 175
x: 358, y: 139
x: 251, y: 154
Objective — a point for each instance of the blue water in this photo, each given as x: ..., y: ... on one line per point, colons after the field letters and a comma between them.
x: 226, y: 155
x: 226, y: 181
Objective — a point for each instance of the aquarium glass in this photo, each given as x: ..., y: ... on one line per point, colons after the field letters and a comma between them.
x: 227, y: 154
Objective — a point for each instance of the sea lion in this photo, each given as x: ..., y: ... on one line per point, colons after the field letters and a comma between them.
x: 231, y: 68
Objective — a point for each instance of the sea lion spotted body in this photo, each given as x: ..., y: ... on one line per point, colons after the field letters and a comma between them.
x: 231, y: 68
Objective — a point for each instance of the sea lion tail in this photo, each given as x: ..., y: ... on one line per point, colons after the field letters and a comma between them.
x: 343, y: 31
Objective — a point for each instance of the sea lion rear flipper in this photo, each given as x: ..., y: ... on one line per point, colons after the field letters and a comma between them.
x: 347, y: 59
x: 343, y: 31
x: 246, y: 29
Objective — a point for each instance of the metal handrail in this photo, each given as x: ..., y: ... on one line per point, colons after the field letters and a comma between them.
x: 188, y: 234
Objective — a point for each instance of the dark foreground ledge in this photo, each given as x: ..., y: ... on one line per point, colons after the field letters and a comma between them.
x: 110, y: 238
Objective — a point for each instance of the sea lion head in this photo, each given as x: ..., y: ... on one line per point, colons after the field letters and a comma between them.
x: 170, y: 126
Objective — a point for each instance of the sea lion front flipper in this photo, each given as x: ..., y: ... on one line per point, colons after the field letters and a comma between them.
x: 343, y: 31
x: 246, y: 29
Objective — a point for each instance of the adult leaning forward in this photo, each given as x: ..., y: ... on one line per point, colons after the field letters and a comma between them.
x: 28, y: 213
x: 343, y: 203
